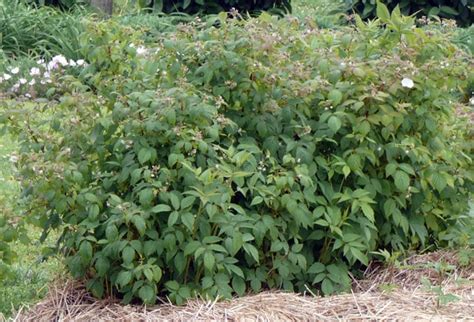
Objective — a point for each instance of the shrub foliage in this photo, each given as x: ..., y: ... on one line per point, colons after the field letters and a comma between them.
x: 459, y: 10
x: 254, y: 155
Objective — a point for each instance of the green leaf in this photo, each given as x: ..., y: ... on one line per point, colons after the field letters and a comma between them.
x: 317, y: 268
x: 359, y: 256
x: 191, y: 247
x: 123, y: 278
x: 157, y: 273
x: 238, y: 284
x: 85, y: 251
x: 346, y: 171
x: 319, y: 278
x: 96, y: 287
x: 438, y: 181
x: 102, y: 265
x: 139, y: 223
x: 256, y: 285
x: 389, y: 207
x: 188, y: 220
x: 111, y: 232
x: 257, y: 200
x: 449, y: 11
x: 147, y: 294
x: 146, y: 196
x: 334, y: 123
x: 93, y: 212
x: 148, y: 274
x: 173, y: 218
x: 327, y: 287
x: 144, y: 155
x: 174, y: 201
x: 209, y: 260
x: 382, y: 12
x: 335, y: 96
x: 390, y: 169
x: 160, y: 208
x: 128, y: 254
x: 368, y: 211
x: 237, y: 243
x: 402, y: 180
x: 252, y: 251
x: 187, y: 202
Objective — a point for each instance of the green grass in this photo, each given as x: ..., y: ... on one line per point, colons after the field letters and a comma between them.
x: 27, y: 279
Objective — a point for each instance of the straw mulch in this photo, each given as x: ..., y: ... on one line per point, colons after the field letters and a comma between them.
x: 385, y: 294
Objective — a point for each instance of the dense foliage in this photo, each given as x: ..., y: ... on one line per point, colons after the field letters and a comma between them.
x: 216, y: 6
x: 186, y: 6
x: 459, y: 10
x: 257, y: 154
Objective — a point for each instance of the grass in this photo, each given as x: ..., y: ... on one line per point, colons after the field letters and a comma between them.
x: 27, y: 280
x: 44, y: 31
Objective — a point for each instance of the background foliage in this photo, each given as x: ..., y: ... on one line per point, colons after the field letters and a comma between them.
x: 460, y: 10
x: 216, y: 6
x: 260, y: 154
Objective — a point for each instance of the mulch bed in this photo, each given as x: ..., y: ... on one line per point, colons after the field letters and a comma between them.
x: 386, y: 293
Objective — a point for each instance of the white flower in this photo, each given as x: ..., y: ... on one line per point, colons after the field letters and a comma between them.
x: 6, y: 77
x: 52, y: 65
x: 23, y: 81
x: 32, y: 82
x: 408, y: 83
x: 42, y: 82
x: 35, y: 71
x: 471, y: 101
x: 60, y: 59
x: 80, y: 62
x: 1, y: 79
x: 141, y: 50
x: 72, y: 63
x: 47, y: 75
x: 13, y: 159
x: 40, y: 61
x: 15, y: 70
x: 131, y: 45
x: 28, y: 95
x: 56, y: 61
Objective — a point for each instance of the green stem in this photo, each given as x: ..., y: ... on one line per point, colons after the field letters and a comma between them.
x: 188, y: 262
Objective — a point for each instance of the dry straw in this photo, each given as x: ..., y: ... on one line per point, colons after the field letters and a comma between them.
x: 393, y: 293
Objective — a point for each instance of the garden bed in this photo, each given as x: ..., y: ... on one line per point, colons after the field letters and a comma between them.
x: 397, y: 291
